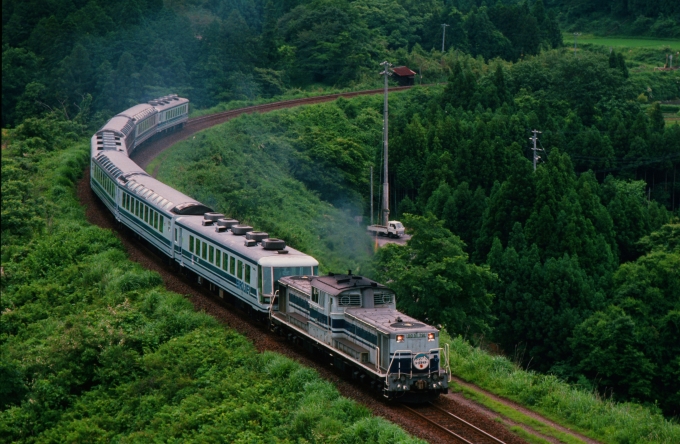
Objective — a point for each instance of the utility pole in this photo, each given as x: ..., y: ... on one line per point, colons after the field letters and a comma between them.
x: 386, y: 187
x: 444, y: 25
x: 371, y: 195
x: 535, y: 149
x: 576, y: 34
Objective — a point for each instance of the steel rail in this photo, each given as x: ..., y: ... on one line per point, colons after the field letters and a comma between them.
x: 288, y: 103
x: 436, y: 424
x: 467, y: 423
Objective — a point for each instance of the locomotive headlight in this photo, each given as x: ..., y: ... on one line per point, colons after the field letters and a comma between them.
x: 400, y: 338
x: 430, y: 336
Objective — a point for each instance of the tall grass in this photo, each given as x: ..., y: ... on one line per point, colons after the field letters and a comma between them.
x: 587, y: 412
x: 241, y: 168
x: 95, y: 350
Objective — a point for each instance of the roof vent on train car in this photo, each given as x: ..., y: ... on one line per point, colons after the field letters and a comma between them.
x: 220, y: 229
x: 207, y: 222
x: 227, y: 223
x: 257, y: 236
x: 213, y: 216
x: 250, y: 242
x: 240, y: 230
x: 273, y: 244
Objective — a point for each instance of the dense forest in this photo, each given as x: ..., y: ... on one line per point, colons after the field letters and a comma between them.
x: 57, y: 54
x: 659, y: 18
x: 569, y: 266
x: 586, y: 283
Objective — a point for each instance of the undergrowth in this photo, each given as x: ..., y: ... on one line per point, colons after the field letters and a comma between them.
x: 585, y: 411
x: 95, y: 350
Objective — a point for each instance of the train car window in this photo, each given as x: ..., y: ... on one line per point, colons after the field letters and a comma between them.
x: 211, y: 254
x: 267, y: 280
x: 155, y: 220
x: 146, y: 214
x: 247, y: 276
x: 232, y: 265
x: 198, y: 247
x: 239, y: 270
x: 136, y: 208
x: 225, y: 259
x: 259, y: 279
x: 218, y: 255
x: 160, y: 226
x: 204, y: 250
x: 175, y: 234
x: 191, y: 243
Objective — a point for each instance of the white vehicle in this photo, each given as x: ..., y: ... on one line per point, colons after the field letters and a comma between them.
x: 394, y: 228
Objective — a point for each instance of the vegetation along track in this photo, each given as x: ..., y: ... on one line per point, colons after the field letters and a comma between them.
x: 456, y: 427
x: 204, y: 300
x: 146, y: 153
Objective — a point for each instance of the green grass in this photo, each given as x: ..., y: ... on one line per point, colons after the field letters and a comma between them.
x: 565, y: 404
x: 244, y: 168
x: 623, y: 42
x: 94, y: 349
x: 533, y: 439
x: 516, y: 416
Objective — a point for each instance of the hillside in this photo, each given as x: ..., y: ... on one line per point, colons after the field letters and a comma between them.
x: 95, y: 349
x: 556, y: 279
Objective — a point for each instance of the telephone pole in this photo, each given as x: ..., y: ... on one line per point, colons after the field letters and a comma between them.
x: 535, y: 149
x: 371, y: 195
x: 576, y: 34
x: 386, y: 187
x: 444, y: 25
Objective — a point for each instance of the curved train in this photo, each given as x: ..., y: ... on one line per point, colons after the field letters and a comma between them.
x: 350, y: 319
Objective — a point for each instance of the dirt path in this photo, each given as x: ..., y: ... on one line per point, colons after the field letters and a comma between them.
x: 515, y: 406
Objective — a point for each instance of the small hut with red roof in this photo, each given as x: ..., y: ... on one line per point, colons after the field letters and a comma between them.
x: 404, y: 76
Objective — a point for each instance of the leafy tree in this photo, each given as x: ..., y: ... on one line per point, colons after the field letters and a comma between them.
x: 483, y: 37
x: 633, y: 345
x: 434, y: 280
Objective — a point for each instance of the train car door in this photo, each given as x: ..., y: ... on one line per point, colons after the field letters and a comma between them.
x: 177, y: 245
x: 384, y: 341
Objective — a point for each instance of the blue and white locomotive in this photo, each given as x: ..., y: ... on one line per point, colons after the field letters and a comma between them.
x: 350, y: 318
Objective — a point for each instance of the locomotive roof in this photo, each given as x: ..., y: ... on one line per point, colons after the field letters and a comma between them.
x: 300, y: 283
x: 335, y: 284
x: 267, y: 258
x: 389, y: 320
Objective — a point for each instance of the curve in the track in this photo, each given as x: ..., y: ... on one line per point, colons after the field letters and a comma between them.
x: 147, y: 152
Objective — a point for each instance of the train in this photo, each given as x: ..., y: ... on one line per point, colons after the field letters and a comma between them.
x: 347, y: 318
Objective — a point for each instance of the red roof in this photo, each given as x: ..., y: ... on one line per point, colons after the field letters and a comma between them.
x: 403, y: 71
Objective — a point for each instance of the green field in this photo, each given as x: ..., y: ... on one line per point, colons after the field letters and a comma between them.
x: 623, y: 42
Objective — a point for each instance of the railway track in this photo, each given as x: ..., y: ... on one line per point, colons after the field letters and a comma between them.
x: 443, y: 425
x: 457, y: 428
x: 145, y: 154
